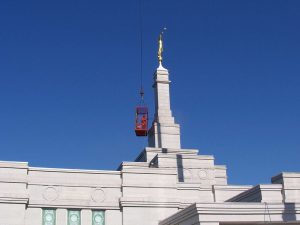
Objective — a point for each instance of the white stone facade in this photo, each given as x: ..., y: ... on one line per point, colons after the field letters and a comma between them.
x: 160, y: 183
x: 165, y: 185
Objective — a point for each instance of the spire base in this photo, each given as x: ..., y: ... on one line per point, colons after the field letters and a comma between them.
x: 160, y: 66
x: 164, y: 133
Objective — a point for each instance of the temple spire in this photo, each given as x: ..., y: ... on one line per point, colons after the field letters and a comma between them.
x: 164, y: 133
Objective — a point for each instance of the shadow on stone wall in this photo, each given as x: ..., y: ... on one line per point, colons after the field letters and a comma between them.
x: 180, y: 168
x: 289, y: 213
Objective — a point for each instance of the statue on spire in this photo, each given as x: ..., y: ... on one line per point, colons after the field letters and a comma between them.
x: 160, y: 47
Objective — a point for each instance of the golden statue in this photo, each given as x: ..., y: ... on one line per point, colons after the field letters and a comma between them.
x: 160, y: 48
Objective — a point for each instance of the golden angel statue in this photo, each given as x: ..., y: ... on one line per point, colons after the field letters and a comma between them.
x: 160, y: 48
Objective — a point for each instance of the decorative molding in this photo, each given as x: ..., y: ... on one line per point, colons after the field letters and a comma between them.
x: 14, y: 198
x: 50, y: 193
x: 64, y: 204
x: 98, y: 195
x: 41, y: 169
x: 149, y: 202
x: 61, y: 184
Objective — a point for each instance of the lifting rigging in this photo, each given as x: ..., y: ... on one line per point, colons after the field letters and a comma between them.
x: 141, y: 111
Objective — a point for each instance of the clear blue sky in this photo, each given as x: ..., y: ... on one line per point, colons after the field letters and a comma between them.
x: 69, y: 81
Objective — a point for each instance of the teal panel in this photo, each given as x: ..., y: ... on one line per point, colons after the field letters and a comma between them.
x: 74, y: 217
x: 98, y: 218
x: 49, y: 217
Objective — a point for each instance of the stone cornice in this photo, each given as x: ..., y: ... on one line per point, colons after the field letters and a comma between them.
x: 149, y: 202
x: 13, y: 164
x: 74, y: 205
x: 65, y: 184
x: 42, y: 169
x: 17, y: 198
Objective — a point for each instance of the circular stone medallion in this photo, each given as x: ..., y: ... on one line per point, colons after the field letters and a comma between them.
x: 50, y: 194
x: 98, y: 195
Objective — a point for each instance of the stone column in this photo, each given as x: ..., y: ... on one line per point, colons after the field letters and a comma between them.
x: 86, y: 217
x: 61, y: 216
x: 164, y: 133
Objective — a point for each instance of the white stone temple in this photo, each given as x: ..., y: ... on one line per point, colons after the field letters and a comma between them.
x: 165, y: 185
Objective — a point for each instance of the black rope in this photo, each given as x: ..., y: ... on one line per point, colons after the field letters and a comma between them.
x: 267, y: 211
x: 141, y: 48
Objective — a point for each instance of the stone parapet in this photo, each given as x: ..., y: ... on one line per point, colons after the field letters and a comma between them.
x: 291, y: 185
x: 224, y: 192
x: 260, y: 193
x: 232, y: 213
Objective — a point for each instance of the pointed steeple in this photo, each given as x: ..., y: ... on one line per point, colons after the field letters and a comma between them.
x: 164, y: 133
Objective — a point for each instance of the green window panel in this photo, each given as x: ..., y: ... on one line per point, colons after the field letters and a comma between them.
x: 98, y: 218
x: 74, y: 217
x: 49, y: 217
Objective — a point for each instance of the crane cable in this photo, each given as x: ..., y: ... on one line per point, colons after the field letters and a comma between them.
x: 141, y: 49
x: 267, y: 211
